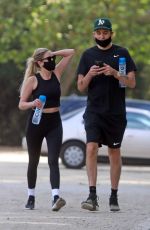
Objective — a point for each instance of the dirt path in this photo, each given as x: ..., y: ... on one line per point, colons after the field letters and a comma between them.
x: 134, y: 198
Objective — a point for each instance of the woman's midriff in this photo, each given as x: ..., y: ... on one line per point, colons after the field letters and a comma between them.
x: 51, y: 110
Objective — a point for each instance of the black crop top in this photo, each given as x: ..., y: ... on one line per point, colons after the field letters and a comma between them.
x: 50, y: 88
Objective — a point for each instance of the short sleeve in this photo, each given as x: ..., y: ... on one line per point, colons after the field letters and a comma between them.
x: 130, y: 64
x: 82, y: 67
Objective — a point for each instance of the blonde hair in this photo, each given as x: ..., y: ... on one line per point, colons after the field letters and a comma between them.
x: 32, y: 66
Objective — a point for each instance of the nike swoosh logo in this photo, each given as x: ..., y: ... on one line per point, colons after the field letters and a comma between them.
x: 116, y: 55
x: 116, y: 143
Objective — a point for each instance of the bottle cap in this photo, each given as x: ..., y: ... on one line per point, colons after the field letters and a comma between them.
x: 122, y: 60
x: 42, y: 98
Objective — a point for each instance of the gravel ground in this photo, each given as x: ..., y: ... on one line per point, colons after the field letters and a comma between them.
x: 134, y: 198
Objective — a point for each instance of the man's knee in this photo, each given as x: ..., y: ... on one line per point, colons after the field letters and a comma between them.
x: 114, y: 152
x: 115, y: 156
x: 92, y: 149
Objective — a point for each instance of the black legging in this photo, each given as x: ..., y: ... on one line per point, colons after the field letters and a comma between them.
x: 50, y: 127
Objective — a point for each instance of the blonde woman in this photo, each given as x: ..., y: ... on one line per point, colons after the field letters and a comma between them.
x: 42, y: 77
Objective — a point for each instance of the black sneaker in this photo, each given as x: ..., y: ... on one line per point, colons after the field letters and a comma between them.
x: 58, y: 203
x: 30, y: 202
x: 90, y: 204
x: 113, y: 203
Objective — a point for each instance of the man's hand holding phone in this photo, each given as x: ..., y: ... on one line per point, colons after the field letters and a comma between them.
x: 99, y: 63
x: 101, y: 66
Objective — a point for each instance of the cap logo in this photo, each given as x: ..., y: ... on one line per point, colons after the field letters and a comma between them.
x: 101, y: 22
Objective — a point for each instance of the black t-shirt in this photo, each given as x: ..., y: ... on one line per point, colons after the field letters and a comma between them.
x: 104, y: 93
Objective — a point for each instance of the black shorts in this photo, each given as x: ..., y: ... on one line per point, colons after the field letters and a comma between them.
x: 105, y: 129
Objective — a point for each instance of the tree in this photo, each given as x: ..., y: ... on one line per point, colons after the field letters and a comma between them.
x: 26, y: 25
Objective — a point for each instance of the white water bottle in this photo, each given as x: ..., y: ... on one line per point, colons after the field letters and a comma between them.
x: 38, y: 111
x: 122, y: 70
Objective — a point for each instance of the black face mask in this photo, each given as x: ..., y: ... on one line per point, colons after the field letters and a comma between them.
x: 103, y: 43
x: 50, y: 64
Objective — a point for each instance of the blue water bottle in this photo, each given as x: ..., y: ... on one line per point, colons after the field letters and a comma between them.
x: 38, y: 111
x: 122, y: 70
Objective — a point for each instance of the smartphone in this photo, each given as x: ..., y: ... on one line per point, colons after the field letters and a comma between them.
x: 99, y: 63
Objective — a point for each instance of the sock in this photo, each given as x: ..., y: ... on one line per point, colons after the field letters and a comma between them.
x: 55, y: 192
x: 114, y: 192
x: 31, y: 191
x: 92, y: 190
